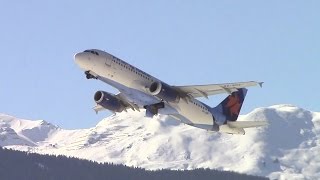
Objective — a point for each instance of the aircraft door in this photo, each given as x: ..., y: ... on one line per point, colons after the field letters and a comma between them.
x: 111, y: 67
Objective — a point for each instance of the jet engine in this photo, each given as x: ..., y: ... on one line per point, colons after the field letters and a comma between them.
x: 109, y: 101
x: 164, y: 91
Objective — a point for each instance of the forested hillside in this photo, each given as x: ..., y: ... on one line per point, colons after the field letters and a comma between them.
x: 23, y: 165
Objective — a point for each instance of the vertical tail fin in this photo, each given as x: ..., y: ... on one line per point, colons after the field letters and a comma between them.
x: 229, y: 108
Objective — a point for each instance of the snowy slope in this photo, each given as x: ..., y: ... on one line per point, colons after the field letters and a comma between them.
x: 287, y: 149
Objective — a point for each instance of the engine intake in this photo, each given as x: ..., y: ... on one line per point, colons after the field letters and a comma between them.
x: 155, y: 88
x: 164, y: 91
x: 109, y: 101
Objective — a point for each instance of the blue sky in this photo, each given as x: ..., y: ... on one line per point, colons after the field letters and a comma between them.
x: 180, y: 42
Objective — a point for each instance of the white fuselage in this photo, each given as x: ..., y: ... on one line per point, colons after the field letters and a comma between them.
x: 122, y: 75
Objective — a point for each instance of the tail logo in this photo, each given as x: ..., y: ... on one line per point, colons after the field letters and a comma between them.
x: 234, y: 104
x: 230, y: 107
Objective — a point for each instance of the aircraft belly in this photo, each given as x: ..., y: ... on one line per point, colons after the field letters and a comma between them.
x: 133, y: 94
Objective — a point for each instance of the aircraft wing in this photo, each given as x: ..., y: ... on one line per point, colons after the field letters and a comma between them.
x: 128, y: 104
x: 212, y: 89
x: 97, y: 108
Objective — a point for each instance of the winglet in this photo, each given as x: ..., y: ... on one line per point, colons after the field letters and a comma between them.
x: 260, y: 84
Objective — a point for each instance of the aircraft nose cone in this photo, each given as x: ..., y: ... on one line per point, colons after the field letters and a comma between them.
x: 79, y: 59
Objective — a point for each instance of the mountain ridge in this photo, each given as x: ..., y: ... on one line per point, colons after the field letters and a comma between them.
x: 287, y: 148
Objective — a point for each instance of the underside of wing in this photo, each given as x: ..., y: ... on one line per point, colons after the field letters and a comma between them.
x: 212, y: 89
x: 128, y: 104
x: 125, y: 104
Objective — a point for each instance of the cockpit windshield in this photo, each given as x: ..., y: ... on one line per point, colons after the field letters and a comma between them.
x: 92, y: 52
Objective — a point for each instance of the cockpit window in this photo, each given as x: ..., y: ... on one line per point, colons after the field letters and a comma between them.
x: 92, y: 52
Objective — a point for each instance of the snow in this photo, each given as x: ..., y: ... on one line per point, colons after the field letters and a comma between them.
x: 287, y: 149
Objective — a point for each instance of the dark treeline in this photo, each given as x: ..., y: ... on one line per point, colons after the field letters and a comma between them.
x: 18, y: 165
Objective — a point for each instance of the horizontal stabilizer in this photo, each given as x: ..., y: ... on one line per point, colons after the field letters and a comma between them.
x: 246, y: 124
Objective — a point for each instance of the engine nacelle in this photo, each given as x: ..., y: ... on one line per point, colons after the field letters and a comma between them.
x: 164, y: 91
x: 109, y: 101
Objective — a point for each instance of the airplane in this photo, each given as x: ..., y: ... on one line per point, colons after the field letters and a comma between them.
x: 141, y: 91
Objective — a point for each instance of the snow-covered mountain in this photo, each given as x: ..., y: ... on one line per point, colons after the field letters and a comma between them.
x: 289, y: 148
